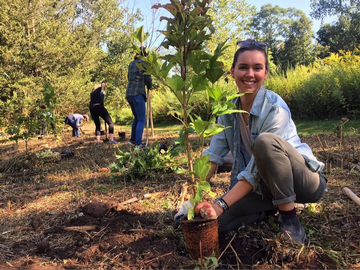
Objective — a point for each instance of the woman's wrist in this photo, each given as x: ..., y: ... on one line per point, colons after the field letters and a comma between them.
x: 219, y: 211
x: 222, y: 204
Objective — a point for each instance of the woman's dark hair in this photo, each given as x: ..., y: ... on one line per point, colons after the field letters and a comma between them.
x: 251, y: 48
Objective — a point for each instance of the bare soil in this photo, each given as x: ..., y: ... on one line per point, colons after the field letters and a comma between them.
x: 59, y: 212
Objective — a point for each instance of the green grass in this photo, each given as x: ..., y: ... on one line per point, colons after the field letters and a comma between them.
x: 160, y: 128
x: 305, y: 128
x: 168, y: 128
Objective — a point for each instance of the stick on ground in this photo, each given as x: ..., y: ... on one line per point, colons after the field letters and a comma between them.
x: 80, y: 228
x: 352, y: 195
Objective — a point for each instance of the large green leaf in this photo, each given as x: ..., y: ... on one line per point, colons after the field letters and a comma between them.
x: 236, y: 95
x: 213, y: 129
x: 222, y: 108
x: 201, y: 187
x: 140, y: 35
x: 215, y: 92
x: 199, y: 125
x: 215, y: 72
x: 201, y: 169
x: 175, y: 82
x: 165, y: 69
x: 191, y: 211
x: 199, y: 83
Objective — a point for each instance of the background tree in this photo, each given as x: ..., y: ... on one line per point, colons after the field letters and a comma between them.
x: 288, y: 31
x: 324, y: 8
x: 298, y: 47
x: 61, y: 43
x: 344, y: 33
x: 230, y: 20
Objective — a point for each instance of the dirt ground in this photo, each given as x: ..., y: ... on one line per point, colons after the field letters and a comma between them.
x: 68, y: 213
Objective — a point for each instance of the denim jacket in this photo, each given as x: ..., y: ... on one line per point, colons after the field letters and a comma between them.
x: 269, y: 113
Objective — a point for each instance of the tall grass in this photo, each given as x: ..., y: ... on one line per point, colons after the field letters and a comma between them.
x: 328, y: 89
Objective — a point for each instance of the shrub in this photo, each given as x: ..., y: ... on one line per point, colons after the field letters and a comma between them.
x: 330, y: 88
x: 123, y: 116
x: 145, y: 163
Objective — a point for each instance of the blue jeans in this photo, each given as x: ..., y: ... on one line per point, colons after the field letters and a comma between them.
x: 72, y: 123
x: 43, y: 132
x: 137, y: 105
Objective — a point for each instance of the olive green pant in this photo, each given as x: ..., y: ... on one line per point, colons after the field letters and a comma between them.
x: 285, y: 177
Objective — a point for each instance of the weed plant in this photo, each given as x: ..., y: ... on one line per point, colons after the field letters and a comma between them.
x: 145, y: 163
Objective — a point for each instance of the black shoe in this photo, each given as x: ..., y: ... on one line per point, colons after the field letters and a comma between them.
x: 140, y: 146
x: 292, y: 228
x: 132, y: 143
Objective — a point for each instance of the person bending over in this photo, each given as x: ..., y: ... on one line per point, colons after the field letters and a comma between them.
x: 75, y: 121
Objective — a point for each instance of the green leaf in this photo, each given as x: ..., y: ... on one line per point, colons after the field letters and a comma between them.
x: 140, y: 35
x: 205, y: 185
x: 215, y: 92
x: 213, y: 129
x: 176, y: 83
x: 199, y: 82
x: 191, y: 211
x: 201, y: 169
x: 212, y: 194
x: 230, y: 97
x: 199, y: 125
x: 165, y: 69
x: 199, y: 60
x: 215, y: 72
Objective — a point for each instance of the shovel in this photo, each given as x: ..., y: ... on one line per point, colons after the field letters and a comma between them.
x: 147, y: 116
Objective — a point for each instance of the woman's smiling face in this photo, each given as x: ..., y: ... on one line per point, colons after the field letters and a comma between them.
x: 250, y: 71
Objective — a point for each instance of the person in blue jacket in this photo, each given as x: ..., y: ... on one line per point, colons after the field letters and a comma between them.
x: 272, y: 168
x: 75, y: 121
x: 136, y: 97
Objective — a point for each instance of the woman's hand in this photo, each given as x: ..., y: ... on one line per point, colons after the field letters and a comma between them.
x: 208, y: 210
